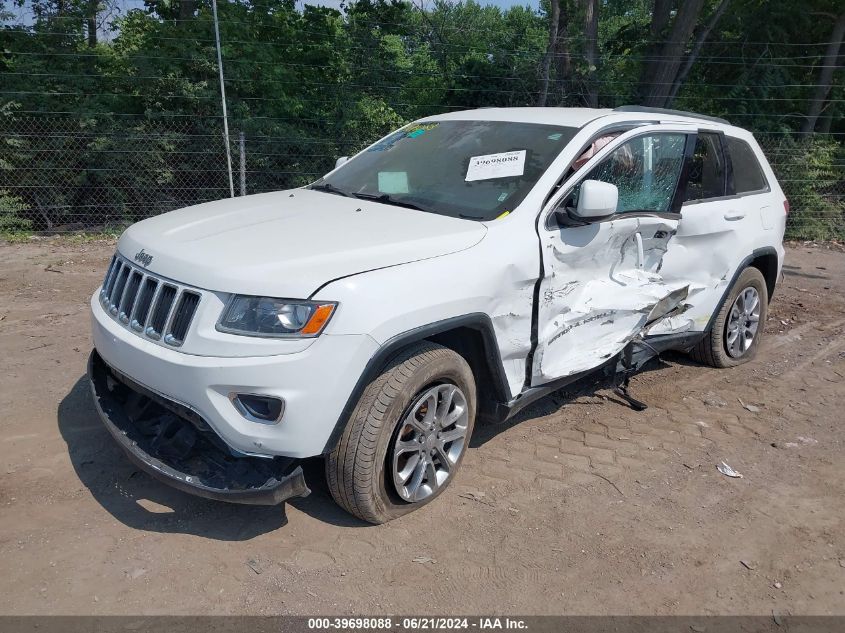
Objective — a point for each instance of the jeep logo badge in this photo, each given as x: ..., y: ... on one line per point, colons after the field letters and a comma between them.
x: 143, y: 258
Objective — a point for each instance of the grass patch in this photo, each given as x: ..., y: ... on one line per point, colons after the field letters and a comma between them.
x: 71, y: 239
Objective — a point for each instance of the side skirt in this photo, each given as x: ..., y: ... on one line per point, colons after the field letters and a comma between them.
x: 505, y: 410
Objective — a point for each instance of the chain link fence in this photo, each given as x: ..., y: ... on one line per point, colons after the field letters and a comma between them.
x: 61, y: 175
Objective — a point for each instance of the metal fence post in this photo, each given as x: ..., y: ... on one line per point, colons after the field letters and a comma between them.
x: 223, y: 100
x: 242, y: 147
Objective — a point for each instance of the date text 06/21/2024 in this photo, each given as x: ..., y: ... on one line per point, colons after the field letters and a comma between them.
x: 420, y: 623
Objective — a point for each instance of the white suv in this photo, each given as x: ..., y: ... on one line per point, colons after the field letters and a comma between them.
x: 458, y: 269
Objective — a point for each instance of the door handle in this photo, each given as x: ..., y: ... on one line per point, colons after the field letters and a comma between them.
x: 734, y: 215
x: 640, y: 254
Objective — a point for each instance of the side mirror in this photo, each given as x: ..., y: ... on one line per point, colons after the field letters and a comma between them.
x: 340, y: 161
x: 596, y: 200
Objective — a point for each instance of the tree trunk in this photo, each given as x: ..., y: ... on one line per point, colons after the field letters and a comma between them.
x: 662, y: 69
x: 186, y: 9
x: 700, y: 39
x: 825, y: 76
x: 92, y: 8
x: 591, y: 46
x: 661, y: 12
x: 825, y: 120
x: 660, y: 19
x: 563, y: 57
x: 546, y: 67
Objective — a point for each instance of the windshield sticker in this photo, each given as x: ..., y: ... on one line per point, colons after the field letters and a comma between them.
x: 555, y: 137
x: 503, y: 196
x: 418, y: 130
x: 504, y: 165
x: 393, y: 182
x: 387, y: 143
x: 411, y: 131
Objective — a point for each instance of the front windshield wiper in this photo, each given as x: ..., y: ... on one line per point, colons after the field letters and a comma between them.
x: 386, y: 199
x: 381, y: 197
x: 330, y: 188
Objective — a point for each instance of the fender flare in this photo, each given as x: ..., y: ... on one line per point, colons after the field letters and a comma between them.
x: 758, y: 252
x: 476, y: 321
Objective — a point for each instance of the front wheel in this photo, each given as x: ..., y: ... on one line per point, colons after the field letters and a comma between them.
x: 406, y: 437
x: 735, y: 335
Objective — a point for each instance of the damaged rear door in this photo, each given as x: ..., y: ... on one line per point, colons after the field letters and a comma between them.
x: 600, y: 283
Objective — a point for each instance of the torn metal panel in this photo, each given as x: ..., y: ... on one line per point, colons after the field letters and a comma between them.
x: 679, y: 320
x: 600, y: 321
x: 602, y: 288
x: 511, y: 316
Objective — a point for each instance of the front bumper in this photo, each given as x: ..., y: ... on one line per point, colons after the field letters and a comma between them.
x: 183, y: 454
x: 315, y: 382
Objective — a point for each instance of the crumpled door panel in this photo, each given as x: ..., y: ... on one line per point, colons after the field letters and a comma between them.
x: 602, y: 287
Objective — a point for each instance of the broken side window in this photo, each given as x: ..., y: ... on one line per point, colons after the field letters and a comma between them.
x: 645, y: 170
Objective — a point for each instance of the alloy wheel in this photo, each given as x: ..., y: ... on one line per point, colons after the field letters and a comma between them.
x: 743, y: 322
x: 430, y: 442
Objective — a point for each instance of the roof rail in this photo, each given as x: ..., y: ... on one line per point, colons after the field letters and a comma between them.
x: 645, y: 109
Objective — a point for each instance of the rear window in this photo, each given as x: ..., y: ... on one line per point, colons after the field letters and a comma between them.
x: 707, y: 169
x: 748, y: 176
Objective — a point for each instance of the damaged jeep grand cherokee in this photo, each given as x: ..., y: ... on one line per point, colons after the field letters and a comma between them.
x: 456, y: 270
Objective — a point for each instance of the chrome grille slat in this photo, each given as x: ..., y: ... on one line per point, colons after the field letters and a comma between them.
x: 119, y: 285
x: 104, y: 291
x: 171, y: 314
x: 183, y: 313
x: 141, y: 310
x: 149, y: 305
x: 110, y: 279
x: 129, y: 296
x: 161, y: 311
x: 113, y: 281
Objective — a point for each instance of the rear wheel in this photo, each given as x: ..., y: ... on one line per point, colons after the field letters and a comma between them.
x: 406, y: 437
x: 735, y: 335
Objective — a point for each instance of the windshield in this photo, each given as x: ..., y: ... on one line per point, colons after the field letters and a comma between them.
x: 469, y: 169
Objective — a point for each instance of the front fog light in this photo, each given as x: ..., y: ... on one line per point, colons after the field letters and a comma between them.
x: 257, y: 408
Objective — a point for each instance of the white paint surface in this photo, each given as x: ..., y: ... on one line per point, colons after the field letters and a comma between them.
x: 393, y: 270
x: 288, y: 243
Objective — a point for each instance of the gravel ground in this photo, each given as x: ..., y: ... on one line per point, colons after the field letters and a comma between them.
x: 579, y: 506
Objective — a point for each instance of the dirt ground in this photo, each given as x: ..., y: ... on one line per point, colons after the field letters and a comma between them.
x: 579, y: 506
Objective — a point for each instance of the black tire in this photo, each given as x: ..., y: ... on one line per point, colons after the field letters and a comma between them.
x: 357, y: 470
x: 713, y: 348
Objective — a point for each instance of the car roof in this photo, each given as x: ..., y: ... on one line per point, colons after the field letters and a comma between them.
x: 577, y: 117
x: 569, y: 117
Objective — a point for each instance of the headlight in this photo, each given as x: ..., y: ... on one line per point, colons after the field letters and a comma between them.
x: 265, y: 316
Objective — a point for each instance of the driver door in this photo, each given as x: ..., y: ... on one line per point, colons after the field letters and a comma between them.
x: 601, y: 284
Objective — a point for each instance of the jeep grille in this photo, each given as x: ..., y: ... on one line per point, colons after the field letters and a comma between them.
x: 148, y: 304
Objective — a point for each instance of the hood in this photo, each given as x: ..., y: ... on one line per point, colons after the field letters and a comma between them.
x: 289, y: 243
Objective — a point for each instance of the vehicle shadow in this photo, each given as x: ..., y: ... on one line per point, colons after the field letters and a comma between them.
x: 319, y: 504
x: 136, y: 499
x: 141, y: 502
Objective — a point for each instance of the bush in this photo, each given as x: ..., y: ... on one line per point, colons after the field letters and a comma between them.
x: 811, y: 177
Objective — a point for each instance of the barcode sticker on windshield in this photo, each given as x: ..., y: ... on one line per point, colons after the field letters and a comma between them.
x: 502, y: 165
